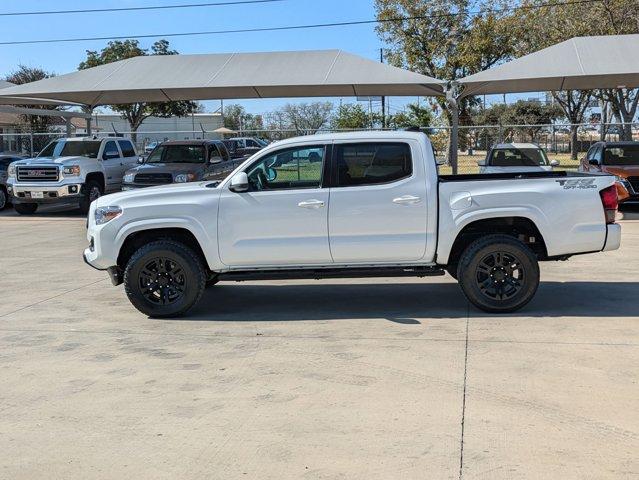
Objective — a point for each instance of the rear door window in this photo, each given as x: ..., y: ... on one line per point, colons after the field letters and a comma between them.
x: 371, y: 163
x: 127, y: 148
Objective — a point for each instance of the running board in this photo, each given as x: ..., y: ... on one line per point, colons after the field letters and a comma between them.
x: 320, y: 273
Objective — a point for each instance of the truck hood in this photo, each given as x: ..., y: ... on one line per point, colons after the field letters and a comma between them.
x: 173, y: 168
x: 51, y: 160
x: 154, y: 195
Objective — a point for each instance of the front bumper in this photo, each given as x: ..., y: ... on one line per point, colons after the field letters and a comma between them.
x: 42, y: 193
x: 613, y: 237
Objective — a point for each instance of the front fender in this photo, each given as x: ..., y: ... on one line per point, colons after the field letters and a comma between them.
x: 191, y: 224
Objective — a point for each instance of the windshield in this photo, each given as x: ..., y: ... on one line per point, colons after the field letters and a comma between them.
x: 518, y: 157
x: 177, y: 154
x: 622, y: 155
x: 62, y: 148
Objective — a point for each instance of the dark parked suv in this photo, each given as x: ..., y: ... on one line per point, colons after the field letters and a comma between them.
x: 179, y: 162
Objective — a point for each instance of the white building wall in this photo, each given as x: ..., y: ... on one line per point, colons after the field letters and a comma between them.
x: 155, y: 129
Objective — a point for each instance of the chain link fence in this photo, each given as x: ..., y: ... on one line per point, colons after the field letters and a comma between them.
x: 474, y: 141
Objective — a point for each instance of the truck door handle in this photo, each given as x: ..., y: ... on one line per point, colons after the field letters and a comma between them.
x: 407, y: 200
x: 311, y: 204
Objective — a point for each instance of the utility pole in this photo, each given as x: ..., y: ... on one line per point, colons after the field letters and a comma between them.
x: 381, y: 59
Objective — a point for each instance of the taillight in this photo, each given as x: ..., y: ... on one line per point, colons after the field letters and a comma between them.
x: 609, y: 202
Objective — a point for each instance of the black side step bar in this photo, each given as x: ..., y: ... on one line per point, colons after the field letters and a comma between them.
x: 320, y: 273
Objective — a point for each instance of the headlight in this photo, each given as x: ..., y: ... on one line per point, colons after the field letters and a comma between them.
x: 184, y: 177
x: 11, y: 171
x: 128, y: 178
x: 106, y: 214
x: 71, y: 170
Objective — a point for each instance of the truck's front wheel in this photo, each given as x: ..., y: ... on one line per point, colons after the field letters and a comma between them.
x: 164, y: 279
x: 92, y: 191
x: 498, y: 273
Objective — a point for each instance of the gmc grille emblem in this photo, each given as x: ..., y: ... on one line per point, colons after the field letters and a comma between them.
x: 35, y: 173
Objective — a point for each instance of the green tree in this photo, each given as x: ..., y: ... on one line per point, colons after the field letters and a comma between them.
x: 414, y: 116
x: 236, y: 118
x: 307, y: 117
x: 529, y: 117
x: 440, y: 39
x: 136, y: 113
x: 351, y: 116
x: 33, y: 123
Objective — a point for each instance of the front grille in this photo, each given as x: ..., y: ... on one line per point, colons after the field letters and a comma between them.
x: 153, y: 178
x: 634, y: 181
x: 37, y: 174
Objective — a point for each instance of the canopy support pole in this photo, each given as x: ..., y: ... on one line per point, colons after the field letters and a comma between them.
x: 452, y: 90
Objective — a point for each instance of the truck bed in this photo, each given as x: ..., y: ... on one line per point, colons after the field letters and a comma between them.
x: 509, y: 176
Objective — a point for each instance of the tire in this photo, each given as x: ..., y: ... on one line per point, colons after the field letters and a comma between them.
x: 178, y: 277
x: 4, y: 199
x: 488, y: 279
x: 92, y: 191
x: 25, y: 208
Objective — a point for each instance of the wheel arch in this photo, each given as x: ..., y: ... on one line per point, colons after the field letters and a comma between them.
x: 135, y: 237
x: 520, y: 227
x: 97, y: 176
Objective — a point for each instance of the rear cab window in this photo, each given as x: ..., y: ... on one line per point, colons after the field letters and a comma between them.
x: 518, y: 157
x: 621, y: 155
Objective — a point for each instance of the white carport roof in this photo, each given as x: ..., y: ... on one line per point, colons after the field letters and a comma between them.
x: 581, y: 63
x: 7, y: 100
x: 318, y: 73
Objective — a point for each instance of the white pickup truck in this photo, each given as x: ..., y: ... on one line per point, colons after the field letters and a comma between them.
x: 72, y: 171
x: 373, y: 205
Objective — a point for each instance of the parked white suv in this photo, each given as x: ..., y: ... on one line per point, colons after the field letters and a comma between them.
x: 516, y: 157
x: 360, y: 204
x: 72, y: 171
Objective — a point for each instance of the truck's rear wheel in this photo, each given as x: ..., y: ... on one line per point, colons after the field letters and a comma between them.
x: 498, y: 273
x: 164, y: 279
x: 92, y: 191
x: 25, y: 208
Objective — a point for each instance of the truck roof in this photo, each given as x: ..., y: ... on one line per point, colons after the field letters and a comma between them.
x: 516, y: 145
x: 356, y: 135
x: 189, y: 142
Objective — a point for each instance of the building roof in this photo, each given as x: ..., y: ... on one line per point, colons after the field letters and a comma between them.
x: 157, y: 78
x: 581, y: 63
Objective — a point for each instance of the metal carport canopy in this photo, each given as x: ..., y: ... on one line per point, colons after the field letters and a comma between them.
x: 318, y: 73
x: 581, y: 63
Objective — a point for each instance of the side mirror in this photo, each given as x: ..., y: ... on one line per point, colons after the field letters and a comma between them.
x: 554, y: 163
x: 140, y: 160
x: 481, y: 163
x: 239, y: 183
x: 215, y: 159
x: 593, y: 162
x: 440, y: 161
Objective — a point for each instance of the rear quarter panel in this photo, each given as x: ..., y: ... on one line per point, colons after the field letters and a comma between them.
x: 567, y: 211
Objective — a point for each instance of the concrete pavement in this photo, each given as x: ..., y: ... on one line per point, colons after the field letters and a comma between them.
x: 395, y: 378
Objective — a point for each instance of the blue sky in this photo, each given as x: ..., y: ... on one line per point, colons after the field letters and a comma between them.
x: 65, y: 57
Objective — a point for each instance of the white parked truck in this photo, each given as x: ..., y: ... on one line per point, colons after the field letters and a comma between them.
x: 373, y: 205
x: 73, y: 171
